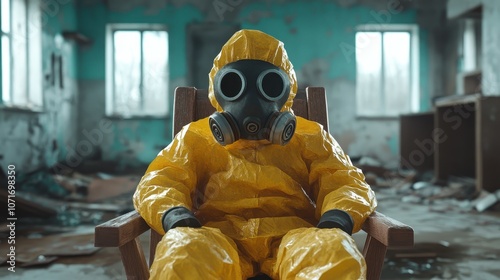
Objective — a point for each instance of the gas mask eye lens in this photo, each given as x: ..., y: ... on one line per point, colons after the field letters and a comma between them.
x: 272, y: 84
x: 231, y: 84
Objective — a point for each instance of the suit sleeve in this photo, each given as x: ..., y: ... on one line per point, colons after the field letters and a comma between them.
x: 336, y: 183
x: 169, y: 181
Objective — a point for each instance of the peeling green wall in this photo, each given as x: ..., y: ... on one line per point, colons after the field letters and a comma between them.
x: 58, y: 18
x: 92, y: 22
x: 136, y: 141
x: 311, y: 30
x: 34, y: 140
x: 61, y: 18
x: 317, y: 30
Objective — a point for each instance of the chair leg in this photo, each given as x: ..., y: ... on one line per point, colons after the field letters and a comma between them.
x: 154, y: 240
x: 374, y: 252
x: 134, y: 261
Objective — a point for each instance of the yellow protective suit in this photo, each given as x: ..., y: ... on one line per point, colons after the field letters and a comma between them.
x: 258, y: 202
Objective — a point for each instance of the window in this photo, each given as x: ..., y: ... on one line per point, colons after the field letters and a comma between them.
x: 137, y: 70
x: 470, y: 48
x: 21, y: 57
x: 386, y: 70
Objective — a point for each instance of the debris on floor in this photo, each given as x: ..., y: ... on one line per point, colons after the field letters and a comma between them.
x: 79, y: 187
x: 414, y: 187
x: 99, y: 189
x: 423, y: 261
x: 449, y: 210
x: 25, y: 207
x: 38, y: 250
x: 487, y: 200
x: 57, y: 213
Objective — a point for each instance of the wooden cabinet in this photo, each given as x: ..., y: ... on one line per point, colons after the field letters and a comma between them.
x: 470, y: 142
x: 465, y: 133
x: 416, y: 147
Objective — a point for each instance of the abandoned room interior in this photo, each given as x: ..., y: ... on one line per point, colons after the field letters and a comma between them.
x: 87, y: 102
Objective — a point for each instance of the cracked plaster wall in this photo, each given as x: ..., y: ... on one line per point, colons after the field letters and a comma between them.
x: 312, y: 32
x: 32, y: 140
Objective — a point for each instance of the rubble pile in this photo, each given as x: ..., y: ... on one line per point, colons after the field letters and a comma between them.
x: 421, y: 188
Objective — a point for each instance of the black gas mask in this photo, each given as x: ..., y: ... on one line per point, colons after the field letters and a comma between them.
x: 251, y: 93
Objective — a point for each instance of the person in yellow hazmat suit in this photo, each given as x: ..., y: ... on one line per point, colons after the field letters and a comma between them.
x: 253, y: 189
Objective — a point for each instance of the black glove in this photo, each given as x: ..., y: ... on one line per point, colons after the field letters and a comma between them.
x: 179, y: 217
x: 336, y: 219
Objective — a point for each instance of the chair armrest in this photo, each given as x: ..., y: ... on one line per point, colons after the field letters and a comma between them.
x: 388, y: 231
x: 120, y: 230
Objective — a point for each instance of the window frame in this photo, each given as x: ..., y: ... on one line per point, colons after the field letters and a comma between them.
x: 9, y: 36
x: 414, y: 101
x: 33, y: 103
x: 110, y: 66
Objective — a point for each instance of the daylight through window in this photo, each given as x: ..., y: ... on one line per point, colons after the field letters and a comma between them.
x: 137, y: 73
x: 386, y: 66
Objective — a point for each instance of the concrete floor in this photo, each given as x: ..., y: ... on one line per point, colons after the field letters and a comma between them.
x: 467, y: 243
x: 451, y: 243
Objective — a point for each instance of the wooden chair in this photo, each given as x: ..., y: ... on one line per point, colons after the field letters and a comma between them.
x: 191, y: 104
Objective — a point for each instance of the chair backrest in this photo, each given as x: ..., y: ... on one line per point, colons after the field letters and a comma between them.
x: 191, y: 104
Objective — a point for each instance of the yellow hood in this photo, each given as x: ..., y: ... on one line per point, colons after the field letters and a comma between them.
x: 253, y: 44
